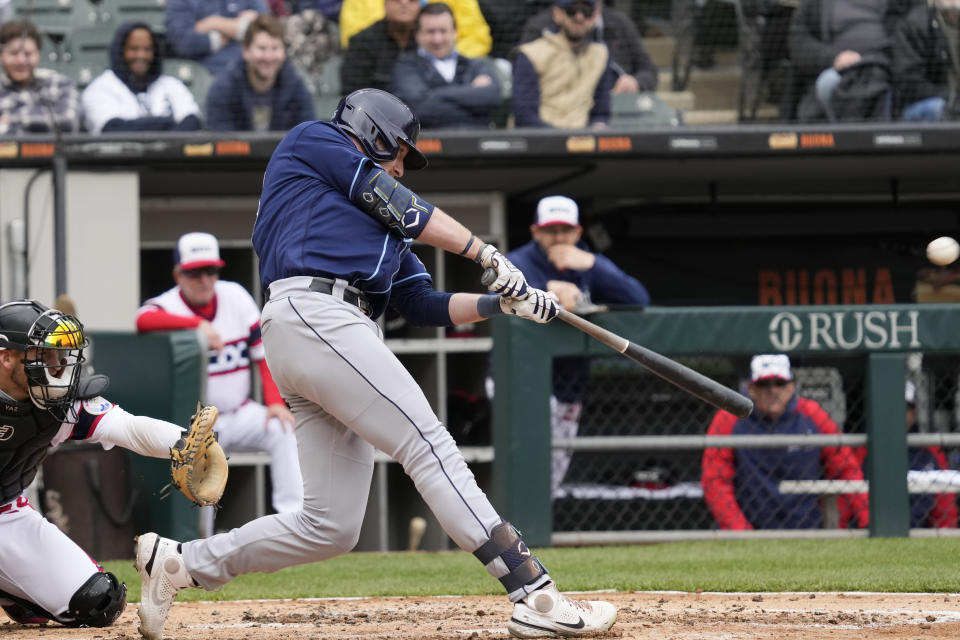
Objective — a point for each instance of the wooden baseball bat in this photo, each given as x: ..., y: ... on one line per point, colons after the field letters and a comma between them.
x: 692, y: 382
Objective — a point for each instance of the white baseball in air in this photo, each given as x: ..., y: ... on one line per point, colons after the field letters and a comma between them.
x: 943, y: 250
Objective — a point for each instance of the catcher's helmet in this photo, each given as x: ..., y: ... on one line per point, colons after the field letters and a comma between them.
x: 53, y: 344
x: 373, y: 115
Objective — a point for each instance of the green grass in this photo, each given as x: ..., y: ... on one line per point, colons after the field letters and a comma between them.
x: 882, y: 564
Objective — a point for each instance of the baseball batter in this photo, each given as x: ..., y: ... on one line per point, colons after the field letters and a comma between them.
x: 44, y: 401
x: 333, y: 235
x: 230, y: 319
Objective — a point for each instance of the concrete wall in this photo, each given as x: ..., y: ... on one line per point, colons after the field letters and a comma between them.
x: 103, y: 243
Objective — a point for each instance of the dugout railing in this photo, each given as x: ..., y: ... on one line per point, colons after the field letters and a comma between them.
x: 854, y: 360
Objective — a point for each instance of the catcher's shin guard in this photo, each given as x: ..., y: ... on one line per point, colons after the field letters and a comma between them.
x: 99, y: 601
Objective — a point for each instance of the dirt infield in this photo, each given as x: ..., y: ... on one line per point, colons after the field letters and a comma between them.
x: 660, y: 616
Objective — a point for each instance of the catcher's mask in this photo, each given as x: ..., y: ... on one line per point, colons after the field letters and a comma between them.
x: 52, y: 343
x: 375, y: 116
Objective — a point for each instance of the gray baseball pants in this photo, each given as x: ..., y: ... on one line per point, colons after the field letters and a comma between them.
x: 349, y: 394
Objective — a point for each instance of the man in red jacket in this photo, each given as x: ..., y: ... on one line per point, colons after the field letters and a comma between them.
x: 229, y: 318
x: 741, y: 486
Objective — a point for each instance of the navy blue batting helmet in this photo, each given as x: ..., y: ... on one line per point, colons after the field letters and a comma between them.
x: 372, y: 115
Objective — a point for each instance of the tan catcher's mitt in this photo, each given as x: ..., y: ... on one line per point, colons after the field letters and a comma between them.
x: 197, y: 462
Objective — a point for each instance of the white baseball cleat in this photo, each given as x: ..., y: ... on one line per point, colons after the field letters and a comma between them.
x: 547, y: 613
x: 162, y: 575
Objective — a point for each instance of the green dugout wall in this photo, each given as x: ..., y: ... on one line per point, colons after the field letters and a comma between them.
x: 161, y: 375
x: 881, y: 335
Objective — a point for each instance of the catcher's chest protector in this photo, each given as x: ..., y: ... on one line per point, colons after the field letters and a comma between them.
x: 25, y: 435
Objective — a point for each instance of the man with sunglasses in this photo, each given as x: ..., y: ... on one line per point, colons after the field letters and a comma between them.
x: 564, y: 79
x: 226, y: 314
x: 635, y: 68
x: 741, y: 486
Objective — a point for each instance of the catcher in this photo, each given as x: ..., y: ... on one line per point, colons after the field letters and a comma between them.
x: 44, y: 401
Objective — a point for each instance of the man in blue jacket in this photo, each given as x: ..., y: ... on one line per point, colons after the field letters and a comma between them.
x: 261, y: 91
x: 442, y: 87
x: 558, y: 261
x: 209, y: 32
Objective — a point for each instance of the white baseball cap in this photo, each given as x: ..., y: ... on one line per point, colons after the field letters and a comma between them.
x: 197, y: 249
x: 557, y: 210
x: 769, y: 366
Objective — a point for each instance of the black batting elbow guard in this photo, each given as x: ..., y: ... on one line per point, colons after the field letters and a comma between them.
x: 393, y: 205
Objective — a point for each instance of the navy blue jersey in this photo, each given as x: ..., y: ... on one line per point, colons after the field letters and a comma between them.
x: 307, y: 223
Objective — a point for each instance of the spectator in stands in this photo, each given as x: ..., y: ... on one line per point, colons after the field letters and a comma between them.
x: 922, y: 59
x: 563, y: 79
x: 133, y: 94
x: 473, y: 34
x: 370, y: 55
x: 927, y: 510
x: 741, y: 486
x: 442, y: 87
x: 635, y: 70
x: 558, y: 261
x: 32, y: 100
x: 261, y: 91
x: 210, y: 33
x: 226, y: 314
x: 848, y: 42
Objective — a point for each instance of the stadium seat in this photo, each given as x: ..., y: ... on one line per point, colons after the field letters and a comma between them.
x: 683, y: 20
x: 51, y: 17
x: 503, y: 70
x: 193, y: 74
x: 89, y: 55
x: 642, y: 109
x: 149, y: 11
x: 329, y: 81
x: 325, y: 88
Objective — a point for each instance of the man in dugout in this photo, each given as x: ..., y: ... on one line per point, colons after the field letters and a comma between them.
x: 741, y: 486
x: 558, y: 260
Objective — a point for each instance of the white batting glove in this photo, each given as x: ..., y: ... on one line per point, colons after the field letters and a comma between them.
x: 510, y: 282
x: 539, y: 306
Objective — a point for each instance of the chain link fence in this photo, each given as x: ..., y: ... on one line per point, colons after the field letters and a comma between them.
x: 606, y: 480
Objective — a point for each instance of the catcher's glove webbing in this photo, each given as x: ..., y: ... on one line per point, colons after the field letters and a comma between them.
x: 197, y: 462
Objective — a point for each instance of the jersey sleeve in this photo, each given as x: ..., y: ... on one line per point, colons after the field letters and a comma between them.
x: 717, y: 479
x: 414, y: 297
x: 332, y: 157
x: 90, y: 413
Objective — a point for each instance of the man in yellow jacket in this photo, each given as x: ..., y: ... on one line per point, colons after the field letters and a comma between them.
x: 473, y: 33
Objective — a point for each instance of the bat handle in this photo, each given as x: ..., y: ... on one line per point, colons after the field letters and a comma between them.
x: 489, y: 277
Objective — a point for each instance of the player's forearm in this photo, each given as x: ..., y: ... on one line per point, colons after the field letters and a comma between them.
x: 473, y: 307
x: 444, y: 232
x: 143, y: 435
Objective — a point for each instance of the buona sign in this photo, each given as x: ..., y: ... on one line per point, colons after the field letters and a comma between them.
x: 845, y: 330
x: 826, y: 286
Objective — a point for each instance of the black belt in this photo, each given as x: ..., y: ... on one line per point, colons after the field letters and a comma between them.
x: 325, y: 285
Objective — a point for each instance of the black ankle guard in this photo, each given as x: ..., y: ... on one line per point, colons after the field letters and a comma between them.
x: 505, y: 543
